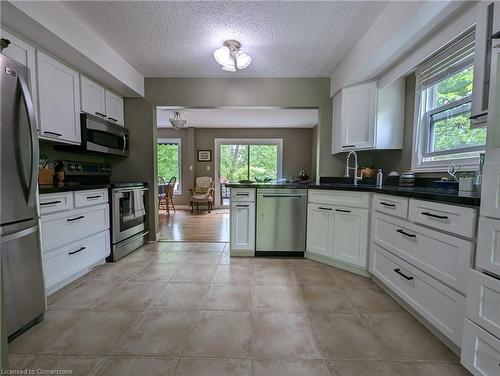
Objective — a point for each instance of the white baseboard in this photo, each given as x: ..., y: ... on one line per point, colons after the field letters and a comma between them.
x: 337, y: 264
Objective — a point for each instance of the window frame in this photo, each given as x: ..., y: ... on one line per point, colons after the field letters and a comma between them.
x: 422, y: 126
x: 178, y: 141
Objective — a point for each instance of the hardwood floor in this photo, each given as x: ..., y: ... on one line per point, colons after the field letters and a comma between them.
x: 200, y: 226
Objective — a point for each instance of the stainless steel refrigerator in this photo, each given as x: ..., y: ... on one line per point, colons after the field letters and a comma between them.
x: 22, y: 272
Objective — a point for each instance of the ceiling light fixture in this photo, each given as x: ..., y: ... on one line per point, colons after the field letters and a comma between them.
x: 177, y: 122
x: 230, y: 56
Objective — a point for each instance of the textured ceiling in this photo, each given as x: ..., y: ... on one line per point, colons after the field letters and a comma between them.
x: 242, y: 117
x: 297, y: 38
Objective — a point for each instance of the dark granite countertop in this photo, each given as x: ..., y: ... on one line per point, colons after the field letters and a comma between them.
x: 424, y: 193
x: 70, y: 187
x: 268, y: 185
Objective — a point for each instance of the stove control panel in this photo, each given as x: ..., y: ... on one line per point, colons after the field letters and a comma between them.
x: 86, y: 169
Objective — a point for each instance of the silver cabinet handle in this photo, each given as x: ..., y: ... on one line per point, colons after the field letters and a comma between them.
x: 322, y: 208
x: 348, y: 146
x: 242, y: 206
x: 112, y: 119
x: 100, y: 114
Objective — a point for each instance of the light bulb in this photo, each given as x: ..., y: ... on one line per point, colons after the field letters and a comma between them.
x: 243, y: 60
x: 223, y: 56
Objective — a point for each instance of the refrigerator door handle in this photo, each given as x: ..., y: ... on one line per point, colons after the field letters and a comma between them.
x: 28, y: 102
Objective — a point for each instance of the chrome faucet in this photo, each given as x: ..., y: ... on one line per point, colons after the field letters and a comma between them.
x: 355, y: 168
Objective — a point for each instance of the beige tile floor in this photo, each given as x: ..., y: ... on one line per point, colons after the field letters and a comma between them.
x: 190, y: 309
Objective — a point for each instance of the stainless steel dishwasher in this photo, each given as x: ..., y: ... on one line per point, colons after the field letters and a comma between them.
x: 281, y: 222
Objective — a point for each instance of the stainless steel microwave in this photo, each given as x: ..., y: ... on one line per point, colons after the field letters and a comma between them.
x: 100, y: 136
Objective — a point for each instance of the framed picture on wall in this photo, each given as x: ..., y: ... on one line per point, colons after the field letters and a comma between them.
x: 204, y: 155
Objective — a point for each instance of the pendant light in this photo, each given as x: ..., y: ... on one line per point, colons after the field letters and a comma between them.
x: 177, y: 122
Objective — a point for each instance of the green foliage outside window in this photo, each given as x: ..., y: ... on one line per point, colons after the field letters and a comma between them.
x: 452, y: 129
x: 168, y: 161
x: 248, y: 162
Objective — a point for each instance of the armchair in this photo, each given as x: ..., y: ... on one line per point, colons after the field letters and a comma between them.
x: 203, y: 192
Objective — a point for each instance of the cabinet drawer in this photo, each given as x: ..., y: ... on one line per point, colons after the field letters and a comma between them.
x: 64, y: 228
x: 62, y: 263
x: 393, y: 205
x: 443, y: 256
x: 340, y: 198
x: 455, y: 219
x: 242, y: 194
x: 488, y: 245
x: 55, y: 202
x: 440, y: 305
x: 480, y: 351
x: 91, y: 197
x: 483, y: 301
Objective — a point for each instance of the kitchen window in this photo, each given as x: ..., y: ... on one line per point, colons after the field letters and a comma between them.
x: 444, y: 132
x: 168, y: 154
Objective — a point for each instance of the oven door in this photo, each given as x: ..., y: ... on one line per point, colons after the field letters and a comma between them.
x: 103, y: 137
x: 129, y: 212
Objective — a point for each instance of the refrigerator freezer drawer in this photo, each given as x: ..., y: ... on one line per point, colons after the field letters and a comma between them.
x: 22, y: 277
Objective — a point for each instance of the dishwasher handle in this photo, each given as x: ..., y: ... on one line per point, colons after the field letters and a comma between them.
x: 282, y: 196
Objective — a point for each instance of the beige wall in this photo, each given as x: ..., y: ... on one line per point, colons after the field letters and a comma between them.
x: 216, y: 92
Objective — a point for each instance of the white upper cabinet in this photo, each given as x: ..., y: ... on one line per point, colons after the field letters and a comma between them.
x: 23, y: 53
x: 356, y: 127
x: 96, y: 100
x: 365, y: 117
x: 114, y: 108
x: 93, y: 97
x: 59, y: 100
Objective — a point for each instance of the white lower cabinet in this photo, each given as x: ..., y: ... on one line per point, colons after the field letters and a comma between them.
x: 72, y: 260
x: 480, y: 351
x: 338, y: 233
x: 483, y: 301
x: 441, y: 306
x: 443, y: 256
x: 488, y: 245
x: 74, y: 239
x: 242, y: 223
x: 65, y: 227
x: 350, y: 236
x: 320, y: 229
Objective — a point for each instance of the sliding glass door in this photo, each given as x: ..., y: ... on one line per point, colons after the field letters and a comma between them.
x: 246, y: 160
